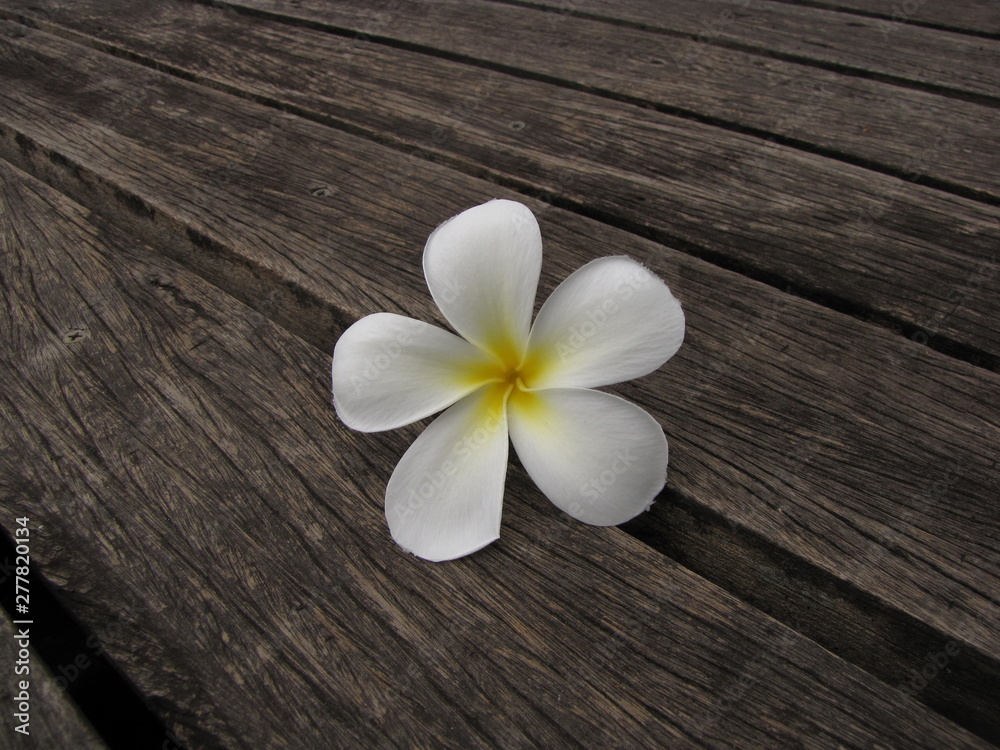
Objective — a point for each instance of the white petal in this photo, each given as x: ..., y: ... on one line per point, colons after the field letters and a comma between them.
x: 598, y: 457
x: 609, y: 321
x: 482, y: 268
x: 445, y: 497
x: 389, y: 371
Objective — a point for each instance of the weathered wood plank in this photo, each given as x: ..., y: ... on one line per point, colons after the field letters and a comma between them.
x: 974, y: 16
x: 787, y: 424
x: 904, y: 53
x: 53, y: 721
x: 963, y: 66
x: 183, y: 454
x: 81, y: 674
x: 895, y: 129
x: 769, y: 210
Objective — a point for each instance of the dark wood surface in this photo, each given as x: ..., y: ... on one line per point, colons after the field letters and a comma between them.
x: 977, y: 17
x: 853, y: 238
x: 188, y: 489
x: 954, y: 64
x: 173, y: 165
x: 53, y: 720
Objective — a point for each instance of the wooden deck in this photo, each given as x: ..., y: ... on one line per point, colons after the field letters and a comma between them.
x: 198, y: 198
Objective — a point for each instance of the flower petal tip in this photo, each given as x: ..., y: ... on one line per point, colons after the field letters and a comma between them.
x: 446, y: 555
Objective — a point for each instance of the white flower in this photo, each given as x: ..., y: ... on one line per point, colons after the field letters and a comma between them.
x: 599, y: 458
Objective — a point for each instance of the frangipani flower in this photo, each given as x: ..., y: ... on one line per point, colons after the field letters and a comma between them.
x: 598, y: 457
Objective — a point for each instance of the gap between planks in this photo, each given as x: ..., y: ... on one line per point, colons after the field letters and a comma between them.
x: 594, y: 82
x: 780, y: 33
x: 70, y: 674
x: 52, y: 719
x: 975, y: 18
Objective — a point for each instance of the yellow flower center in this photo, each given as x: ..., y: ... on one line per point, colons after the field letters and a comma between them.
x: 509, y: 380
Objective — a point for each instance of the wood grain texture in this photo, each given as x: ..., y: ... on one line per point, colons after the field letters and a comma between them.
x: 868, y: 243
x: 970, y: 16
x: 54, y: 720
x: 908, y: 54
x: 870, y: 461
x: 663, y: 69
x: 190, y: 476
x: 869, y: 122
